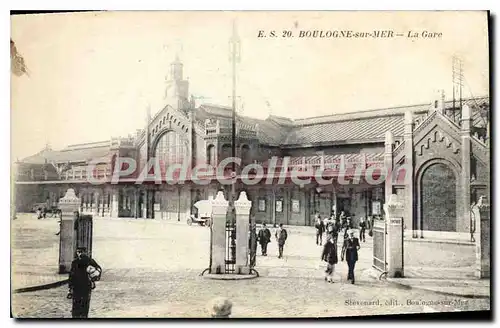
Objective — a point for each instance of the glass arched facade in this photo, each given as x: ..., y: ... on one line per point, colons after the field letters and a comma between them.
x: 171, y: 149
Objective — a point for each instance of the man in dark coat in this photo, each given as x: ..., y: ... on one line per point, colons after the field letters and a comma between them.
x: 329, y: 255
x: 362, y: 229
x: 350, y: 253
x: 80, y: 284
x: 281, y: 236
x: 264, y: 238
x: 320, y: 227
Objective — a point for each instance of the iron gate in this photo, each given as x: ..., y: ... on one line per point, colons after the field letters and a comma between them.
x: 83, y: 227
x: 230, y: 259
x: 379, y: 240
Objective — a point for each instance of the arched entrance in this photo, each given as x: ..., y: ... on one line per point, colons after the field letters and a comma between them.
x: 438, y: 198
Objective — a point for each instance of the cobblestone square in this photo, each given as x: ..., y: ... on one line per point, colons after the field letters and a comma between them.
x: 152, y: 267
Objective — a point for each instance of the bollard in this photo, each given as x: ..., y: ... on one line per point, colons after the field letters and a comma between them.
x: 242, y: 207
x: 483, y: 239
x: 69, y: 206
x: 394, y: 210
x: 219, y: 212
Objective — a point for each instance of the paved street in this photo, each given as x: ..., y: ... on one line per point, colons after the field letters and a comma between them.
x: 151, y: 269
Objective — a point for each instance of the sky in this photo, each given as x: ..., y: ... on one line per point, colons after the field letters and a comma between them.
x: 92, y: 75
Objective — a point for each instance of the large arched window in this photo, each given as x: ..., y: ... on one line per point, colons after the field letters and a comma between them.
x: 171, y: 149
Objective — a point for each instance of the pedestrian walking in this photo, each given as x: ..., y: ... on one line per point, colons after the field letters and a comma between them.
x: 264, y: 238
x: 329, y: 255
x: 362, y: 229
x: 350, y: 253
x: 281, y: 236
x: 84, y: 272
x: 320, y: 228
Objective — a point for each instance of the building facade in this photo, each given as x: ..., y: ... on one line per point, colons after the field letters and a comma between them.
x: 443, y: 146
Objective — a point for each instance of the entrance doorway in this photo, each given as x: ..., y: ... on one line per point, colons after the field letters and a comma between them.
x: 438, y: 199
x: 343, y: 204
x: 324, y: 204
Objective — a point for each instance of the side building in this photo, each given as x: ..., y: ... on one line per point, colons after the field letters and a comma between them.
x: 445, y: 150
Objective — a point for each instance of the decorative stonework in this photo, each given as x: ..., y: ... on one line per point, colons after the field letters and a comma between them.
x: 398, y: 149
x: 394, y: 207
x: 69, y: 203
x: 437, y: 136
x: 421, y: 123
x: 219, y: 204
x: 243, y: 205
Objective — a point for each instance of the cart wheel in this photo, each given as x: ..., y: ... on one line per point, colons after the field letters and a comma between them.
x: 189, y: 221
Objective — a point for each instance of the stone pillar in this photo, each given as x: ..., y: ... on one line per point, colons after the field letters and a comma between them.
x: 394, y: 210
x: 409, y: 175
x: 242, y: 207
x: 389, y: 140
x: 218, y: 233
x: 464, y: 202
x: 69, y: 206
x: 114, y: 203
x: 483, y: 239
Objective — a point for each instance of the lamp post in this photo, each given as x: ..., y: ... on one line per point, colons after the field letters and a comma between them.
x: 234, y: 45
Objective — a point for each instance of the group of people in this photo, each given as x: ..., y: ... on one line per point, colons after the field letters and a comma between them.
x: 264, y: 238
x: 332, y: 227
x: 349, y: 252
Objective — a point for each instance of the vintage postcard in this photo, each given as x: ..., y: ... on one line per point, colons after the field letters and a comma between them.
x: 250, y: 164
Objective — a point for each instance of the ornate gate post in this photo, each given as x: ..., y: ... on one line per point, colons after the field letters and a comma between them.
x: 218, y: 244
x: 242, y: 207
x: 483, y: 239
x: 394, y: 210
x: 69, y: 205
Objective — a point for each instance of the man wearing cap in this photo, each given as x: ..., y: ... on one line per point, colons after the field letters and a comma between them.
x: 80, y: 284
x: 350, y: 253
